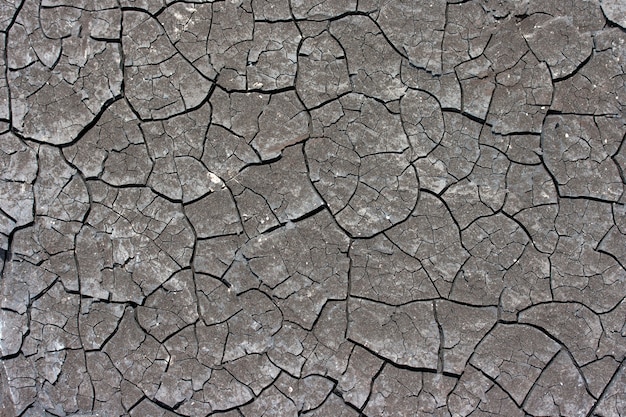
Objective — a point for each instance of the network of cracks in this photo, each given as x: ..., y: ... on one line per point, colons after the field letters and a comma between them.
x: 312, y: 208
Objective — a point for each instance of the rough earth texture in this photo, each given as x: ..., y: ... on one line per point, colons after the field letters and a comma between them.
x: 312, y: 208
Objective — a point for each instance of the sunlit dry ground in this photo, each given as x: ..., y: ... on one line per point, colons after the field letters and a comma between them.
x: 316, y: 207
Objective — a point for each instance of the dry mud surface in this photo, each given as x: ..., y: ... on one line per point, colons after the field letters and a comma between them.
x: 312, y: 208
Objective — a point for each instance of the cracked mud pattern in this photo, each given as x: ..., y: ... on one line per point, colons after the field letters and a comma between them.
x: 312, y: 208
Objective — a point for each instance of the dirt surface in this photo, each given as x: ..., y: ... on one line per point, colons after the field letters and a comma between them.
x: 312, y: 207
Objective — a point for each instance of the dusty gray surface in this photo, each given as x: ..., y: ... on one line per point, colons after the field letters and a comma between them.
x: 309, y: 207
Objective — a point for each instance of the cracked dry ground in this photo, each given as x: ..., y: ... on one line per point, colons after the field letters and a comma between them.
x: 312, y: 207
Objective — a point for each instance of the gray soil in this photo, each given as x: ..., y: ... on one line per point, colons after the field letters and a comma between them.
x: 312, y: 208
